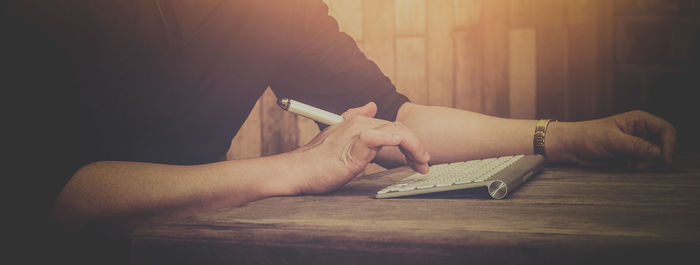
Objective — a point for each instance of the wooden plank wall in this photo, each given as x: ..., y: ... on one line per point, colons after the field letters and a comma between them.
x: 511, y: 58
x: 656, y: 62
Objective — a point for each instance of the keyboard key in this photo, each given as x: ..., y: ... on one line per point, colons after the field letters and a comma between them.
x: 426, y: 185
x: 407, y: 188
x: 464, y: 181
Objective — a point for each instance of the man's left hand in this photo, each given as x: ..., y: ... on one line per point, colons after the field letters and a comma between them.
x: 639, y: 138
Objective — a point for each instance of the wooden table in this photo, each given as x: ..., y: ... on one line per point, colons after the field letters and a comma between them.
x: 563, y: 215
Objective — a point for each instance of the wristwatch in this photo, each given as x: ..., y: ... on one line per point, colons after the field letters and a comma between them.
x: 540, y: 132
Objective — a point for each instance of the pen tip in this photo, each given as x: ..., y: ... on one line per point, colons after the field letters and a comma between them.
x: 283, y: 103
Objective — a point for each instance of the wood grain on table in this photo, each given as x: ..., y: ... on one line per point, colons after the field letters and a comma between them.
x: 563, y: 215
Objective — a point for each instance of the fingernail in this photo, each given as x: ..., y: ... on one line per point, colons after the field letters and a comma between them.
x: 427, y: 156
x: 396, y: 137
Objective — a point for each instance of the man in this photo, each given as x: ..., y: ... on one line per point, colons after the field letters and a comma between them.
x: 143, y: 97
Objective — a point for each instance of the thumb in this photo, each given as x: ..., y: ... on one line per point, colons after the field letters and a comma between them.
x: 368, y: 110
x: 637, y: 147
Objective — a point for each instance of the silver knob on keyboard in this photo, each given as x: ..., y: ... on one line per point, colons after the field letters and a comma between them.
x: 498, y: 189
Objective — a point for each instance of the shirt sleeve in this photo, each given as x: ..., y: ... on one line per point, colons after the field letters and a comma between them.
x: 326, y: 69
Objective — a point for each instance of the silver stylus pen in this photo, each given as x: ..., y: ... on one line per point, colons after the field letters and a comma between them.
x: 310, y: 112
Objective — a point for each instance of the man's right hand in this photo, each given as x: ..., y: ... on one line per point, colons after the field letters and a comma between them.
x: 342, y: 151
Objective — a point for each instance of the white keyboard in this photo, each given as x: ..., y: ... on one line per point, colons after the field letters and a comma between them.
x: 497, y: 175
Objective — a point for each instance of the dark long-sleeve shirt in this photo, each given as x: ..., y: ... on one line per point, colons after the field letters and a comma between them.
x: 173, y: 81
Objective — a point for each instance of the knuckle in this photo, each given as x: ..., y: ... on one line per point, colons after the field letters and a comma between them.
x: 358, y: 119
x: 364, y: 135
x: 354, y: 119
x: 354, y: 123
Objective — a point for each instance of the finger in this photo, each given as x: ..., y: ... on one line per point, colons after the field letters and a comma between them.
x: 410, y: 146
x: 368, y: 110
x: 414, y: 163
x: 636, y: 147
x: 667, y: 135
x: 375, y: 139
x: 666, y: 132
x: 369, y: 142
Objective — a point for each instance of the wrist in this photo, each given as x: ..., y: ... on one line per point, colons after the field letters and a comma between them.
x: 538, y: 143
x: 279, y: 170
x: 558, y: 141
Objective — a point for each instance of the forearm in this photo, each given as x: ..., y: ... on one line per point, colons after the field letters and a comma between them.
x: 132, y: 193
x: 456, y: 135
